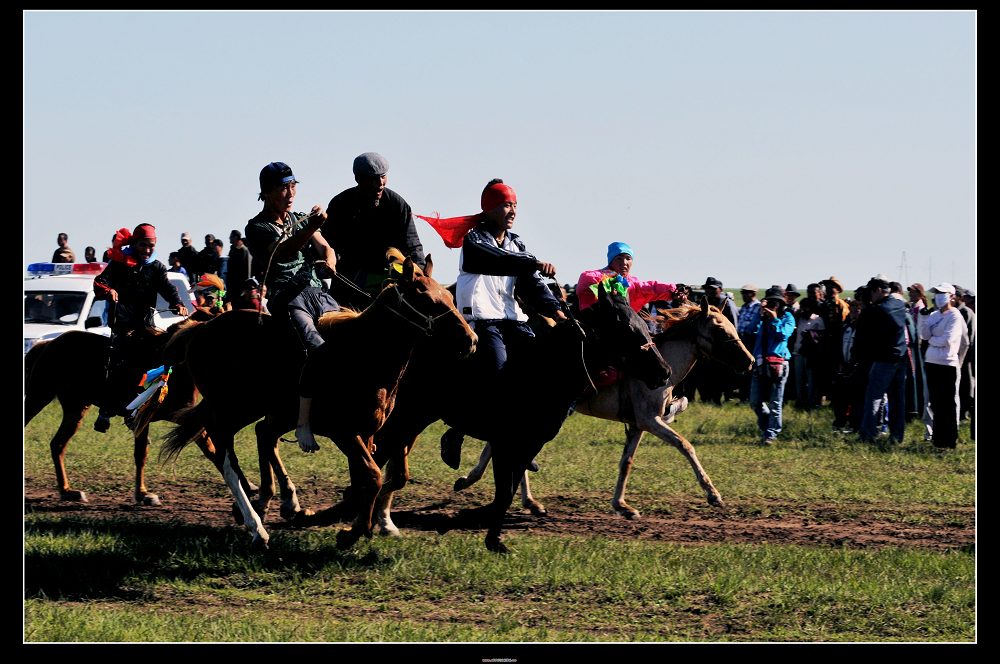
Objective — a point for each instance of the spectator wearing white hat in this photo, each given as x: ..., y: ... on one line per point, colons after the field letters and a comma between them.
x: 947, y: 339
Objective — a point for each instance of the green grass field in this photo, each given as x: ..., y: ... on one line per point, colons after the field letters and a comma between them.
x: 130, y: 580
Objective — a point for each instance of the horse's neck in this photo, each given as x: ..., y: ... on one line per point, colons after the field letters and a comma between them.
x: 681, y: 355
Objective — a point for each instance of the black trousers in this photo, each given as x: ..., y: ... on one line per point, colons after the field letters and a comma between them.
x: 941, y: 384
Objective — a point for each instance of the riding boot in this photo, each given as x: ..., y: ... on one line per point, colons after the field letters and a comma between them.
x: 103, y: 421
x: 302, y: 431
x: 451, y: 448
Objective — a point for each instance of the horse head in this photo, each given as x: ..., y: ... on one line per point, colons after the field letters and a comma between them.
x: 621, y: 331
x: 420, y: 302
x: 717, y: 338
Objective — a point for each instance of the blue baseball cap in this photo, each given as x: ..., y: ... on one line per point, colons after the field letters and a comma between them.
x: 617, y: 248
x: 274, y: 175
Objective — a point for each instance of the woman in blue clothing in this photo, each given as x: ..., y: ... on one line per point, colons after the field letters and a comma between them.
x: 767, y: 386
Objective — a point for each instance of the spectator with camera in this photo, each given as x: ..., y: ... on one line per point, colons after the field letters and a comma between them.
x: 775, y: 324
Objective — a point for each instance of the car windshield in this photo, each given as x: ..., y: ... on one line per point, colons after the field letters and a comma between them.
x: 55, y: 308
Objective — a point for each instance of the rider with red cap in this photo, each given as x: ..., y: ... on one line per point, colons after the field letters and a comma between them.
x: 493, y: 268
x: 131, y: 281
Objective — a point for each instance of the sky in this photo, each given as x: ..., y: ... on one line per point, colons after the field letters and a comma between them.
x: 756, y: 146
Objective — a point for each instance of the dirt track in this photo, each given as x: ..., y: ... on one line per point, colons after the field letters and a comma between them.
x: 855, y: 525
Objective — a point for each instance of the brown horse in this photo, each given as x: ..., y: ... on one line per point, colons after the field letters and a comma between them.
x: 71, y: 368
x: 365, y: 355
x: 519, y: 421
x: 690, y: 333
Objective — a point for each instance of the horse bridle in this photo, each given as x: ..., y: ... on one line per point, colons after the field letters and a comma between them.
x: 706, y: 341
x: 426, y: 322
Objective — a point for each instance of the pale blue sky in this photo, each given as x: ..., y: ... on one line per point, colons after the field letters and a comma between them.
x: 750, y: 146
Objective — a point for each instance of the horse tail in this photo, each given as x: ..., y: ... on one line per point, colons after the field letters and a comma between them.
x: 190, y: 422
x: 38, y: 393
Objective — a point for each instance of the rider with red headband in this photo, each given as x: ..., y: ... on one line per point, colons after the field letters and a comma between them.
x: 131, y: 280
x: 493, y: 268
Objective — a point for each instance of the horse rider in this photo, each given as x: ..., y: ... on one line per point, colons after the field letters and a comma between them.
x: 494, y: 266
x: 365, y: 221
x: 131, y: 281
x: 618, y: 275
x: 287, y: 251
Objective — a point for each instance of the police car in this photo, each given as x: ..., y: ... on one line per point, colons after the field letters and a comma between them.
x: 59, y: 297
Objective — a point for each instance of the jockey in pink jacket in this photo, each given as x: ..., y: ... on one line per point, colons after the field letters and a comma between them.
x: 618, y: 274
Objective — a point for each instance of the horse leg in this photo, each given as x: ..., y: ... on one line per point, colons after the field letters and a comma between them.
x: 266, y: 446
x: 233, y: 475
x: 477, y: 471
x: 71, y: 420
x: 506, y: 474
x: 528, y: 501
x: 140, y: 453
x: 397, y: 474
x: 290, y: 508
x: 662, y: 431
x: 208, y: 449
x: 366, y: 480
x: 624, y: 470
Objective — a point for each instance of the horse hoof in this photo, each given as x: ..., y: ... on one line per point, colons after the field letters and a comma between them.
x: 290, y: 512
x: 346, y: 538
x: 260, y: 541
x: 496, y: 546
x: 73, y: 496
x: 538, y: 510
x: 629, y: 513
x: 149, y: 500
x: 716, y: 501
x: 461, y: 483
x: 389, y: 531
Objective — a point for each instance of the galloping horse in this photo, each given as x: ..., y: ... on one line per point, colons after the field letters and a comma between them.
x: 690, y: 333
x: 71, y: 367
x: 438, y: 389
x: 365, y: 355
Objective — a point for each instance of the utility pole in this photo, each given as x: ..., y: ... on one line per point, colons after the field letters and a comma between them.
x: 904, y: 271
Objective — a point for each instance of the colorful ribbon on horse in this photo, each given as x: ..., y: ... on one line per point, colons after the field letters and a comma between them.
x: 152, y: 380
x: 615, y: 283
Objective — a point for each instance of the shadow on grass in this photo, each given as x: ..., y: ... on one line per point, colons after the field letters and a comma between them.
x: 138, y: 554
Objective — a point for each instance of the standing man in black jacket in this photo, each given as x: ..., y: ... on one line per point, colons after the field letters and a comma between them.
x: 881, y: 340
x: 364, y: 221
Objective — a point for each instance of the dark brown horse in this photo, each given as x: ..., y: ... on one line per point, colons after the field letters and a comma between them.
x: 523, y: 413
x: 365, y: 356
x: 690, y: 333
x: 71, y: 368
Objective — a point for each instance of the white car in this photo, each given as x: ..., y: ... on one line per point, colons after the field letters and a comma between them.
x: 59, y: 297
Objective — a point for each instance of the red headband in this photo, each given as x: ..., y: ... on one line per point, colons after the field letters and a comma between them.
x: 497, y: 194
x: 144, y: 231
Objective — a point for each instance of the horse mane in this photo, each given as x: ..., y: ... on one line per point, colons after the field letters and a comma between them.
x: 673, y: 320
x: 331, y: 318
x: 394, y: 255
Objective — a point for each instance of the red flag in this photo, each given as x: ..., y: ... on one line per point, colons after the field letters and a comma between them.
x: 453, y: 229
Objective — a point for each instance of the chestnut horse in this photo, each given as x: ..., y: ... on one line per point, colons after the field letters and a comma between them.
x: 71, y: 368
x: 525, y: 411
x: 365, y: 355
x: 690, y: 333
